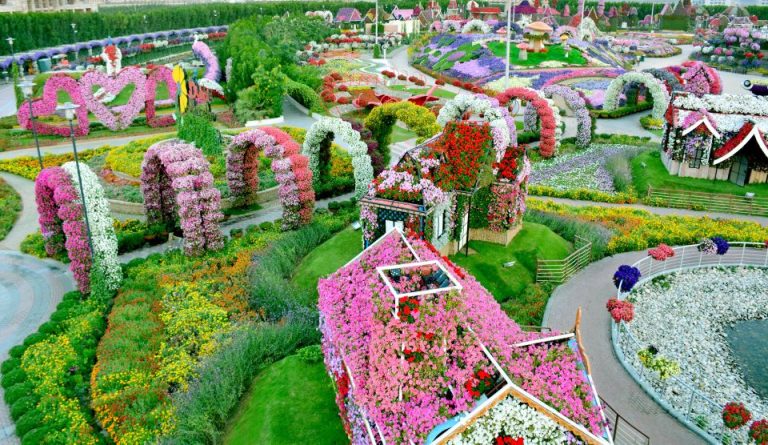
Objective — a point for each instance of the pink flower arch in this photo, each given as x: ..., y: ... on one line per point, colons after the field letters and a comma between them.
x: 546, y: 115
x: 177, y: 175
x: 161, y: 74
x: 62, y: 223
x: 290, y: 167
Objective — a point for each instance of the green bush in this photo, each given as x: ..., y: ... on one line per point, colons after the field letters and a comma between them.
x: 48, y: 328
x: 199, y: 130
x: 36, y: 436
x: 34, y: 244
x: 622, y: 111
x: 9, y: 365
x: 311, y: 354
x: 17, y: 351
x: 36, y: 337
x: 17, y: 391
x: 23, y: 406
x: 12, y: 378
x: 305, y: 74
x: 28, y: 422
x: 10, y: 206
x: 264, y: 99
x: 303, y: 94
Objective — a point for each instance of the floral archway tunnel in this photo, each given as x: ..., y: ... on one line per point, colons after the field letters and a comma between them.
x: 291, y: 170
x: 62, y: 222
x: 655, y: 87
x: 548, y: 117
x: 382, y: 120
x: 176, y: 175
x: 575, y: 102
x: 317, y: 148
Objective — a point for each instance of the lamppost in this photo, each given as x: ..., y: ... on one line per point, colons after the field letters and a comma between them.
x: 26, y: 88
x: 69, y: 113
x: 74, y: 32
x: 215, y: 17
x: 10, y: 41
x: 144, y: 18
x: 376, y: 26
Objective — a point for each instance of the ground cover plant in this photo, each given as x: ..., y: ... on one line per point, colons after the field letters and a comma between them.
x: 10, y: 206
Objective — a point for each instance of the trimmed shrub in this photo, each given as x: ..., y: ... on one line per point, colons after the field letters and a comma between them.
x: 15, y: 376
x: 28, y: 422
x: 23, y: 406
x: 17, y: 391
x: 303, y: 94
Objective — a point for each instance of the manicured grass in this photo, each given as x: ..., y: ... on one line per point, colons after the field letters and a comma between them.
x: 290, y: 402
x: 514, y: 287
x: 326, y: 259
x: 400, y: 134
x: 655, y: 174
x: 554, y: 53
x: 439, y: 92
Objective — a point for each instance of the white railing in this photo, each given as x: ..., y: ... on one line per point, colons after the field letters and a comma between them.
x: 676, y: 394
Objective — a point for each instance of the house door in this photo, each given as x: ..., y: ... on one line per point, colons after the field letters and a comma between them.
x: 739, y: 170
x: 464, y: 230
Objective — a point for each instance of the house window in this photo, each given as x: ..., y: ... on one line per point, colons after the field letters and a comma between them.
x: 389, y: 225
x: 695, y: 161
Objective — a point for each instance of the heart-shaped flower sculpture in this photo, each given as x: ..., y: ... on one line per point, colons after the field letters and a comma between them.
x: 125, y: 113
x: 161, y: 74
x: 46, y: 106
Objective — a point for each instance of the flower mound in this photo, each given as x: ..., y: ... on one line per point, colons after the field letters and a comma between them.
x: 291, y: 172
x: 626, y: 277
x: 736, y: 415
x: 175, y: 174
x: 402, y: 394
x: 758, y: 432
x: 334, y: 127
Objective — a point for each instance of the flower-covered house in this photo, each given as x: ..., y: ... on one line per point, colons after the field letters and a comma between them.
x: 421, y: 353
x: 717, y: 137
x: 457, y: 186
x: 348, y: 16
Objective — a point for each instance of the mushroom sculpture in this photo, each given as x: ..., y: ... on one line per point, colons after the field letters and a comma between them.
x: 536, y: 34
x: 523, y: 53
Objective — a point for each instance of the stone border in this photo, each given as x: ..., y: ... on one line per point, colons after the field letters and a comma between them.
x: 135, y: 208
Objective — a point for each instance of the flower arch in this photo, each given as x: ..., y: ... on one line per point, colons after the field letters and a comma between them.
x: 160, y: 74
x: 576, y: 103
x: 502, y: 124
x: 657, y: 90
x: 671, y: 81
x: 62, y: 223
x: 565, y: 29
x: 290, y: 167
x: 320, y: 134
x: 419, y: 119
x: 549, y: 119
x: 47, y: 106
x: 476, y: 26
x: 176, y: 175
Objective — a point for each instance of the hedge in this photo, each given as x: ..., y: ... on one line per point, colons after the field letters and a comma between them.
x: 622, y: 111
x: 303, y: 94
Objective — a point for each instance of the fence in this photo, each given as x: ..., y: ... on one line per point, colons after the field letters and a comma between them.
x: 712, y: 202
x: 624, y: 433
x: 557, y: 271
x: 680, y: 397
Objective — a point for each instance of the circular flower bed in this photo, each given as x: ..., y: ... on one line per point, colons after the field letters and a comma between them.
x: 694, y: 308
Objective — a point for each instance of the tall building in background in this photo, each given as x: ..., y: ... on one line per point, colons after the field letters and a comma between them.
x: 48, y: 5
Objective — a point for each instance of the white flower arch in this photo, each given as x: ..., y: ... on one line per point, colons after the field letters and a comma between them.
x: 655, y: 87
x: 100, y: 221
x: 476, y: 26
x: 342, y: 130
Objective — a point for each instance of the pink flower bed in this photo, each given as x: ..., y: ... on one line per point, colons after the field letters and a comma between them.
x: 176, y: 175
x: 61, y: 222
x: 661, y: 253
x: 402, y: 393
x: 291, y: 170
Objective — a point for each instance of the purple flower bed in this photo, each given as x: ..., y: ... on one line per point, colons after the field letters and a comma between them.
x: 551, y: 172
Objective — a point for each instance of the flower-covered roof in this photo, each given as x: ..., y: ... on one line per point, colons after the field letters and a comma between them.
x: 439, y: 352
x: 348, y: 15
x: 727, y: 113
x: 732, y: 146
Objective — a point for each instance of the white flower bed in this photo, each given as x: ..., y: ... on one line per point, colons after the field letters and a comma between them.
x: 514, y: 419
x: 684, y: 315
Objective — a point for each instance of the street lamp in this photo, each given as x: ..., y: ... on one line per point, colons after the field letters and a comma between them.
x: 74, y: 32
x: 215, y: 17
x: 26, y: 88
x: 10, y: 41
x: 69, y: 113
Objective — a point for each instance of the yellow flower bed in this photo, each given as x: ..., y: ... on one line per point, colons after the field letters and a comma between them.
x: 129, y: 157
x: 637, y: 229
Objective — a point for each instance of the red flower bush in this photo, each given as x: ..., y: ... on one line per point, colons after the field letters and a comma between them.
x: 336, y: 76
x: 408, y: 309
x: 736, y: 415
x: 465, y: 147
x: 342, y: 100
x: 661, y: 252
x: 508, y: 440
x: 758, y: 432
x: 456, y: 83
x: 401, y: 77
x: 479, y: 384
x: 439, y: 82
x: 621, y: 310
x: 389, y: 74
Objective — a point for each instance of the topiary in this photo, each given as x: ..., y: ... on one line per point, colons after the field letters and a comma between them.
x: 9, y: 365
x: 36, y: 436
x: 15, y: 376
x: 310, y: 354
x: 23, y: 406
x: 17, y: 391
x: 49, y: 327
x: 17, y: 351
x: 28, y: 422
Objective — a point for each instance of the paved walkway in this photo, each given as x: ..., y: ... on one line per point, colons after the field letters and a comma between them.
x: 30, y: 289
x: 27, y: 221
x: 590, y: 289
x: 659, y: 210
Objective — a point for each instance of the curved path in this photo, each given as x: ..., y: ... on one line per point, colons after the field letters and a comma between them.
x: 30, y: 289
x: 27, y: 220
x: 590, y: 289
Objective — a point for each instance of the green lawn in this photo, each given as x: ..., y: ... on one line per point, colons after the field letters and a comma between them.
x: 554, y: 53
x: 445, y: 94
x: 514, y: 287
x: 326, y: 259
x: 290, y: 402
x: 400, y: 134
x: 656, y: 175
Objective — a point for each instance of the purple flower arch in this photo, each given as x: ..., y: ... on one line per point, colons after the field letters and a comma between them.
x: 291, y: 169
x: 204, y: 53
x: 175, y: 175
x: 61, y: 222
x: 576, y: 103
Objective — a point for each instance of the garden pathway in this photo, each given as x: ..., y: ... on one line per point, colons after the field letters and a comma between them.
x: 30, y: 289
x: 590, y: 289
x: 27, y: 220
x: 659, y: 210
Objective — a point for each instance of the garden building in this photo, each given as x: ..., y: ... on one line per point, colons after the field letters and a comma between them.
x: 717, y: 137
x: 451, y: 189
x: 399, y: 311
x: 349, y: 16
